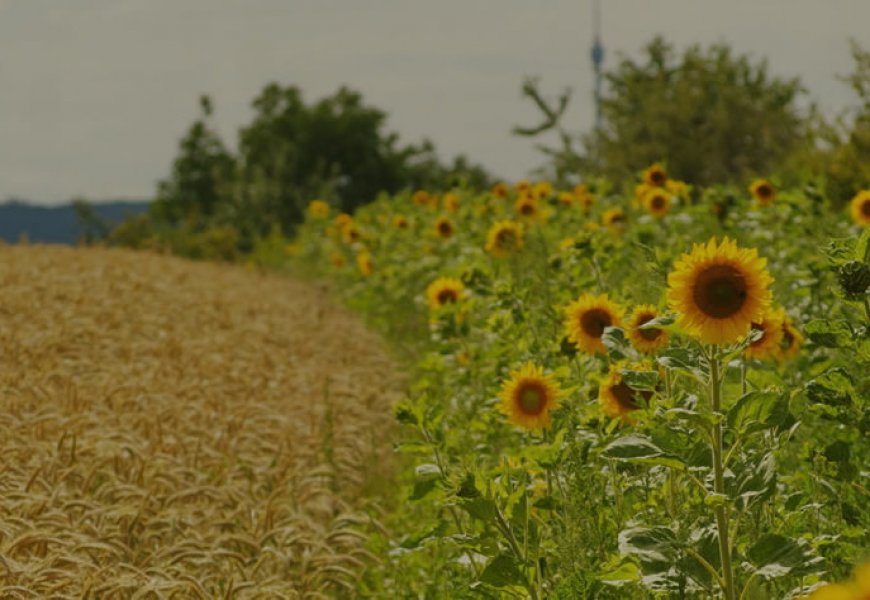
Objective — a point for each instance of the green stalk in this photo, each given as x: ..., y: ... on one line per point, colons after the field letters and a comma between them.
x: 719, y: 479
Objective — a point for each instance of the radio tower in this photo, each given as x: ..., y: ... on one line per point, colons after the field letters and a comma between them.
x: 597, y: 58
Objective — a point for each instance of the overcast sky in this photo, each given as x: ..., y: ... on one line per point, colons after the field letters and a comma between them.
x: 94, y: 94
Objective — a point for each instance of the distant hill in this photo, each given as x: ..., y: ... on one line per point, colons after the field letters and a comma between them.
x: 57, y: 224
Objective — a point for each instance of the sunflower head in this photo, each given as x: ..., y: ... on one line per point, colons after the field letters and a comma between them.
x: 763, y: 191
x: 523, y: 185
x: 618, y: 399
x: 343, y: 219
x: 337, y: 260
x: 614, y: 218
x: 526, y: 206
x: 350, y: 234
x: 583, y: 197
x: 420, y: 198
x: 586, y: 318
x: 364, y: 263
x: 719, y: 290
x: 857, y: 589
x: 655, y: 175
x: 400, y: 222
x: 542, y: 190
x: 500, y: 189
x: 450, y: 201
x: 657, y: 201
x: 791, y: 341
x: 566, y: 198
x: 768, y: 345
x: 318, y: 209
x: 444, y: 291
x: 677, y: 187
x: 504, y: 238
x: 859, y: 208
x: 528, y: 396
x: 645, y: 340
x: 443, y: 228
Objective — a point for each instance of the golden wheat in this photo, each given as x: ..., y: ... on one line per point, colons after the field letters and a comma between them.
x: 176, y: 429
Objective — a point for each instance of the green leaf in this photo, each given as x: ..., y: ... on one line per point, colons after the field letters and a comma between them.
x: 830, y: 333
x: 833, y: 387
x: 838, y: 451
x: 655, y: 548
x: 641, y: 449
x: 468, y: 487
x: 614, y: 340
x: 758, y: 410
x: 665, y: 323
x: 435, y: 530
x: 862, y: 249
x: 683, y: 359
x: 427, y: 472
x: 503, y: 571
x: 481, y: 509
x: 775, y: 556
x: 640, y: 380
x: 755, y: 482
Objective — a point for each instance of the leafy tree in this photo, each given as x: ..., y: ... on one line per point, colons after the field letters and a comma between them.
x: 336, y: 148
x: 711, y: 115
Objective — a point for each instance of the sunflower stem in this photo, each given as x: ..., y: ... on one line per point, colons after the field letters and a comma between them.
x: 719, y: 478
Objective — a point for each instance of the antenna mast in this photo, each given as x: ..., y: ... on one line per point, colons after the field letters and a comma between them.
x: 597, y: 58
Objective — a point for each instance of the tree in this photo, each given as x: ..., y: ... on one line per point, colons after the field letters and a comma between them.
x: 710, y: 115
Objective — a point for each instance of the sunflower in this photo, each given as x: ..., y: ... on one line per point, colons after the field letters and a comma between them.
x: 337, y: 260
x: 364, y: 263
x: 767, y: 346
x: 421, y: 198
x: 450, y: 201
x: 763, y: 191
x: 343, y: 219
x: 500, y: 189
x: 859, y: 208
x: 791, y: 341
x: 677, y: 187
x: 542, y: 190
x: 444, y: 291
x: 585, y: 320
x: 858, y: 589
x: 655, y: 175
x: 719, y: 290
x: 318, y: 209
x: 526, y: 206
x: 350, y: 234
x: 657, y: 201
x: 640, y: 190
x: 443, y: 228
x: 614, y: 218
x: 523, y: 185
x: 504, y: 238
x: 567, y: 198
x: 645, y: 340
x: 584, y: 197
x: 528, y: 396
x: 400, y: 222
x: 617, y: 398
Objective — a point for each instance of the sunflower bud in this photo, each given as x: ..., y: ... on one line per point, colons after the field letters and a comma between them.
x: 854, y: 279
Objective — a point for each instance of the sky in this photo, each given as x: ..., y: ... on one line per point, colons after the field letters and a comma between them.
x: 95, y: 94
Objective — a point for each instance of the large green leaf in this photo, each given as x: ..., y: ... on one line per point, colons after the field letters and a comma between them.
x: 641, y: 449
x: 655, y: 548
x: 831, y: 333
x: 758, y: 410
x: 775, y: 556
x: 503, y: 571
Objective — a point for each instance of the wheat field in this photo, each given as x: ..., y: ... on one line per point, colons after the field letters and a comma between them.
x: 187, y: 430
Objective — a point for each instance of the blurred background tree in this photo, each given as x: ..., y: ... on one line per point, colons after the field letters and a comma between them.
x: 711, y: 115
x: 336, y: 149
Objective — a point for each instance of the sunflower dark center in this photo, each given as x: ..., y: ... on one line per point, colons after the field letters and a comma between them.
x: 865, y: 208
x: 445, y: 296
x: 720, y: 291
x: 506, y: 238
x: 594, y: 321
x: 445, y: 228
x: 527, y: 209
x: 658, y: 202
x: 657, y: 177
x: 648, y: 334
x: 531, y: 398
x: 764, y: 191
x: 626, y: 396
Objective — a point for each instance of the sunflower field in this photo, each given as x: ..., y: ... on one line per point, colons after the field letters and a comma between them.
x: 633, y: 390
